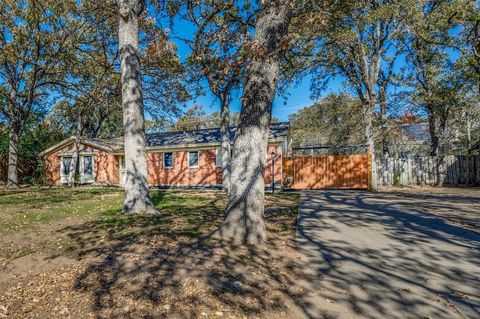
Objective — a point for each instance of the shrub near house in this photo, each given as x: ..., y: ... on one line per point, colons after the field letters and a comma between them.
x: 184, y: 158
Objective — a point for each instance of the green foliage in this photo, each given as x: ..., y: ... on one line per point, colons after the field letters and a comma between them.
x: 38, y: 136
x: 396, y: 179
x: 440, y: 90
x: 335, y: 120
x: 36, y: 43
x: 192, y: 119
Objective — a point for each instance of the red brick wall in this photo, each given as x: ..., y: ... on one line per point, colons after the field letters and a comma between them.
x: 52, y: 168
x: 180, y: 174
x: 106, y: 169
x: 206, y: 174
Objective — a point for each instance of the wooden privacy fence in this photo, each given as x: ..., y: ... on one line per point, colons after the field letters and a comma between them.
x: 429, y: 170
x: 326, y: 172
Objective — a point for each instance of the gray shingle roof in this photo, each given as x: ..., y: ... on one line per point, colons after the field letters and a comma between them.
x: 417, y: 132
x: 206, y: 136
x: 201, y: 136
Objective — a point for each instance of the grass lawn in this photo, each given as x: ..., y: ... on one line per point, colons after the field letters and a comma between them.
x: 72, y: 253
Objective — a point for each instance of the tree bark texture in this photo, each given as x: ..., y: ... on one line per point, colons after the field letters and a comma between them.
x: 384, y: 118
x: 368, y: 119
x: 137, y: 198
x: 437, y: 124
x: 225, y: 146
x: 432, y: 128
x: 441, y: 165
x: 13, y: 143
x: 244, y: 217
x: 74, y: 162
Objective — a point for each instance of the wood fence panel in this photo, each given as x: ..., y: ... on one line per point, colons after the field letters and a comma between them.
x: 429, y: 170
x: 326, y: 172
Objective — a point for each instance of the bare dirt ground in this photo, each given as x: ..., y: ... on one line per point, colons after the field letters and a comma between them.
x: 70, y: 254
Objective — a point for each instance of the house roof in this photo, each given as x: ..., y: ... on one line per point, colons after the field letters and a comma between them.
x: 207, y: 136
x: 278, y: 131
x: 417, y: 132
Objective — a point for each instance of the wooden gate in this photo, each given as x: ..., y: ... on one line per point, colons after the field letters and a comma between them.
x: 327, y: 172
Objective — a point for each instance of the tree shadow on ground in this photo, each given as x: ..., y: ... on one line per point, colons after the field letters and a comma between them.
x: 165, y: 266
x: 382, y: 259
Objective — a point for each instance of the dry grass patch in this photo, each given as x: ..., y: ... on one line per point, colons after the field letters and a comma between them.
x: 115, y: 266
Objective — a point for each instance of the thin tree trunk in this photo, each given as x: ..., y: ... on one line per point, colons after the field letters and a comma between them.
x: 384, y: 118
x: 137, y: 198
x: 74, y: 163
x: 225, y: 143
x: 468, y: 126
x: 244, y: 217
x: 13, y: 143
x: 441, y: 169
x: 368, y: 119
x: 434, y: 140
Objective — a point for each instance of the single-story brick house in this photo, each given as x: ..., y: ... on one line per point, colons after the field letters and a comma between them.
x: 184, y: 158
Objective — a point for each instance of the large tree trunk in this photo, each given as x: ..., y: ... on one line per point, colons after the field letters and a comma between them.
x: 13, y: 143
x: 225, y: 147
x: 368, y: 120
x: 244, y: 217
x: 137, y: 198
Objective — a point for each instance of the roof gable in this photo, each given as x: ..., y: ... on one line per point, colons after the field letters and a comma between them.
x: 94, y: 143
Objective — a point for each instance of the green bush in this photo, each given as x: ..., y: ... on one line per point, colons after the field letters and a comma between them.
x: 397, y: 179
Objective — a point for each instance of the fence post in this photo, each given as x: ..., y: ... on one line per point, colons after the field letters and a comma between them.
x: 440, y: 170
x: 369, y: 171
x: 476, y: 172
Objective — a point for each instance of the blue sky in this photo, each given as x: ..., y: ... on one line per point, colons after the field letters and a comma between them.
x: 295, y: 97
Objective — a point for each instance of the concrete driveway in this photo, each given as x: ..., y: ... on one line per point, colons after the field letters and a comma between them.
x: 375, y: 256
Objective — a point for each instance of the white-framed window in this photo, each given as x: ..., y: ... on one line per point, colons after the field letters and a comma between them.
x: 66, y: 163
x: 168, y: 160
x: 86, y: 168
x: 121, y: 168
x: 65, y: 169
x: 218, y: 157
x: 121, y: 162
x: 193, y: 158
x: 88, y: 165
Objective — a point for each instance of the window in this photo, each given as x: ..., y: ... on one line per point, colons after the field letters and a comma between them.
x: 121, y: 162
x: 87, y: 165
x: 168, y: 160
x: 218, y: 157
x: 193, y: 159
x: 66, y: 163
